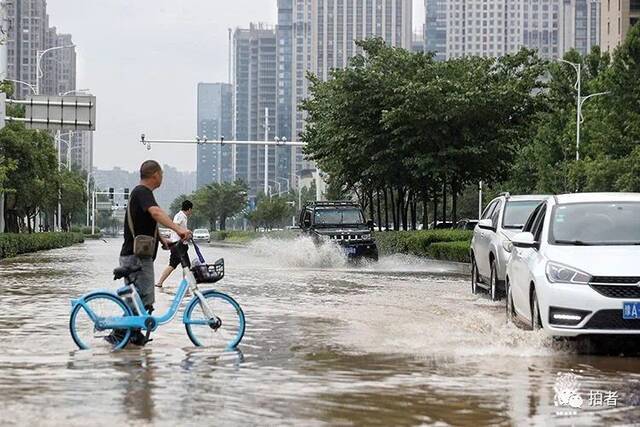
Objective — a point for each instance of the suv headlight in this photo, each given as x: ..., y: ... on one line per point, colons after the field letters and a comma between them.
x: 366, y: 237
x: 558, y: 273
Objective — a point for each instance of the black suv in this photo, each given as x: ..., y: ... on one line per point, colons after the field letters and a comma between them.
x: 341, y: 223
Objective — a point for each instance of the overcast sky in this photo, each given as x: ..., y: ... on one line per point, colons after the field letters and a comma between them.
x: 143, y: 59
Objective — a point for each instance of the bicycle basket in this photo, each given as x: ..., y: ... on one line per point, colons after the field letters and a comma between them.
x: 209, y: 273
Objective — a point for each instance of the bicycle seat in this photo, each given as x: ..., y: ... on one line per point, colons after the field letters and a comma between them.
x: 120, y: 272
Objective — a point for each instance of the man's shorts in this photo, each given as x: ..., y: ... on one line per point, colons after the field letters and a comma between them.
x: 174, y: 258
x: 144, y: 279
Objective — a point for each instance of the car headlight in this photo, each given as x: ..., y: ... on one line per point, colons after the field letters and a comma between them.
x: 507, y: 245
x: 324, y: 237
x: 366, y: 237
x: 558, y: 273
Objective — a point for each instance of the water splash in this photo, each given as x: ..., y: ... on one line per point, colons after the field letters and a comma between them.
x: 299, y: 252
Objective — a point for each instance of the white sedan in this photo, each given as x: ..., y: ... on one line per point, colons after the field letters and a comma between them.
x: 201, y: 234
x: 575, y: 268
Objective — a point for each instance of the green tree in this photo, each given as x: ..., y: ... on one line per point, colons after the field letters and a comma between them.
x: 218, y: 202
x: 270, y: 212
x: 73, y: 198
x: 34, y: 182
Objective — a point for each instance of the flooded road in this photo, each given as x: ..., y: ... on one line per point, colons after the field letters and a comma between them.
x: 402, y: 341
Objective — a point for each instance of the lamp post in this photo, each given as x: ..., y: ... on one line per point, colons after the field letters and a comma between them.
x: 89, y: 177
x: 39, y: 55
x: 36, y: 91
x: 82, y: 91
x: 32, y: 87
x: 580, y: 101
x: 285, y: 180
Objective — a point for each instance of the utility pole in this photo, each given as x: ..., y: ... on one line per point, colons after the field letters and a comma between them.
x: 266, y: 151
x: 59, y: 219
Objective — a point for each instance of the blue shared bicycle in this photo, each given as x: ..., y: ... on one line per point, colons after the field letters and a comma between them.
x: 104, y: 319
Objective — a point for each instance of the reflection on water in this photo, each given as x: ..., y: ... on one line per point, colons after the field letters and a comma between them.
x: 398, y: 342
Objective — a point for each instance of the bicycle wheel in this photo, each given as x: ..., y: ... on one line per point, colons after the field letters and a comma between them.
x: 84, y: 331
x: 231, y: 329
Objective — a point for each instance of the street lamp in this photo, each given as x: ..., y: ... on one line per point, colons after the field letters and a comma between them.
x: 285, y: 180
x: 82, y: 91
x: 580, y: 101
x: 33, y: 89
x: 39, y: 55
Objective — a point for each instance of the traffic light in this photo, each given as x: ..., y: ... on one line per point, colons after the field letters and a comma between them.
x: 110, y: 193
x: 126, y: 194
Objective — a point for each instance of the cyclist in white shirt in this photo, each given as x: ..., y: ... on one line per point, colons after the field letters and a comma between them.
x: 180, y: 219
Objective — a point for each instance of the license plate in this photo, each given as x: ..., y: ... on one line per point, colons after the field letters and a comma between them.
x: 630, y: 310
x: 350, y: 251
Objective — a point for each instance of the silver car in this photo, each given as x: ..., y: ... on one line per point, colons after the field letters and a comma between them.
x: 503, y: 218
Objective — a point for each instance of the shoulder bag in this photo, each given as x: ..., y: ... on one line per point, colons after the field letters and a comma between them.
x: 143, y: 246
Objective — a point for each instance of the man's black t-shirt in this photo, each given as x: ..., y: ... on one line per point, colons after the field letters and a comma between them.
x: 140, y: 200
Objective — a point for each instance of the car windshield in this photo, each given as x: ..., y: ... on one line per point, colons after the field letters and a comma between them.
x: 338, y: 216
x: 596, y: 224
x: 201, y: 231
x: 517, y: 212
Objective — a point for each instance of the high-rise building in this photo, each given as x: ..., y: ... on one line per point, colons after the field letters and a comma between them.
x: 337, y: 24
x: 580, y: 23
x: 319, y: 35
x: 255, y: 87
x: 618, y: 16
x: 435, y: 28
x: 28, y: 36
x: 215, y: 121
x: 499, y: 27
x: 28, y: 27
x: 81, y: 150
x: 417, y: 43
x: 294, y: 60
x: 59, y: 65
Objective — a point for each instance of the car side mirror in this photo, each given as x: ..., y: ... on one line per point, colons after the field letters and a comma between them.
x: 485, y: 224
x: 370, y: 224
x: 524, y: 240
x: 306, y: 223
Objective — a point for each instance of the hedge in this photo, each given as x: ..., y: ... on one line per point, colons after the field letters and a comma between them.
x: 238, y: 236
x: 451, y: 245
x: 15, y: 244
x: 450, y: 251
x: 83, y: 230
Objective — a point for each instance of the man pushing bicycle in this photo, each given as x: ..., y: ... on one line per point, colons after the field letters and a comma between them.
x: 141, y: 236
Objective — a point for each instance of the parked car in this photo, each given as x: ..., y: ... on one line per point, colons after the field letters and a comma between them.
x: 574, y: 268
x: 501, y: 220
x: 466, y: 224
x: 342, y: 223
x: 201, y: 234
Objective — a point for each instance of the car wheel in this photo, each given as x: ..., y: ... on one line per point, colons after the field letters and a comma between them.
x: 536, y: 323
x: 493, y: 283
x: 509, y: 302
x: 474, y: 276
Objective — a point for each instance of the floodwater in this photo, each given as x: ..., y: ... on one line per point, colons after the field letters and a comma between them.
x: 399, y: 342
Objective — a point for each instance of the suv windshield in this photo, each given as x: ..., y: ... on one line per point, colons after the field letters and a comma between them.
x: 596, y: 224
x: 338, y: 216
x: 517, y: 212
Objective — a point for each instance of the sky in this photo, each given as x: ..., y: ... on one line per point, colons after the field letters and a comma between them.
x: 143, y: 59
